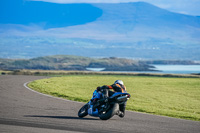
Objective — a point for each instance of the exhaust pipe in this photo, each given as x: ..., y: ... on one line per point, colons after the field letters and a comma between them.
x: 122, y: 99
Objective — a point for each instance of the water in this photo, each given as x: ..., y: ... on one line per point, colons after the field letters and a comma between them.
x: 178, y: 69
x: 96, y: 69
x: 170, y: 69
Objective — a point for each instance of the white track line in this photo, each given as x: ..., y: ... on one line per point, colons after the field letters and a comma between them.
x: 25, y: 85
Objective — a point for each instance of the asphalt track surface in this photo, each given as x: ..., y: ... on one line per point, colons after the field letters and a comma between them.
x: 22, y: 110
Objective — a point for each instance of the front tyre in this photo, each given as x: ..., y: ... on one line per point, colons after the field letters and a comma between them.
x: 110, y: 113
x: 83, y: 111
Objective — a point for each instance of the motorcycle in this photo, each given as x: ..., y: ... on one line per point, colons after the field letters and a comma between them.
x: 103, y: 108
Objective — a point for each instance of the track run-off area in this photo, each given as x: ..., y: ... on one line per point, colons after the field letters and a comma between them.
x: 23, y: 110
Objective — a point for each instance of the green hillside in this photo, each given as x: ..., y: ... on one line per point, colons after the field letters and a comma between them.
x: 168, y: 96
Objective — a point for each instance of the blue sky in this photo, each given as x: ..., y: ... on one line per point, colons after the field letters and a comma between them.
x: 45, y: 14
x: 190, y: 7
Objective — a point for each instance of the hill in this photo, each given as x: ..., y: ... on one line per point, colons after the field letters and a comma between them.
x: 65, y: 62
x: 134, y: 30
x: 128, y: 21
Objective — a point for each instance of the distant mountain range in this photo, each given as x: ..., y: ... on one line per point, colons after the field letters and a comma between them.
x: 138, y: 21
x: 132, y: 30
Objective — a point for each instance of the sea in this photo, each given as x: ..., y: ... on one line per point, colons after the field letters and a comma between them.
x: 178, y: 69
x: 165, y: 69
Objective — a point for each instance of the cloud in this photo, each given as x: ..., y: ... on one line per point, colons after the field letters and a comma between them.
x: 190, y: 7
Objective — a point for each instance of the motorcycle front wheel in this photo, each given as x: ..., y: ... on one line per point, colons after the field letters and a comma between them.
x: 83, y: 111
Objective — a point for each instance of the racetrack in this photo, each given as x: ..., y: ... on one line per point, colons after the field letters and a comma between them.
x: 22, y: 110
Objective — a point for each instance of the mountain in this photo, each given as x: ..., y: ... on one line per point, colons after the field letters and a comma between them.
x: 144, y: 14
x: 130, y: 21
x: 134, y: 30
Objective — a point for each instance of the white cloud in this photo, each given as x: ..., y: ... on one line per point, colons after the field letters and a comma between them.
x: 181, y: 6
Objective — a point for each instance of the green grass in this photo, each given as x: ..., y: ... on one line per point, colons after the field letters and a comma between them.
x: 174, y: 97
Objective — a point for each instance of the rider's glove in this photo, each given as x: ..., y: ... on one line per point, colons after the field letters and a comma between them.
x: 98, y: 88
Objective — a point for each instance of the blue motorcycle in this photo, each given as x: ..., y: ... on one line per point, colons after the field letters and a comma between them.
x: 104, y: 109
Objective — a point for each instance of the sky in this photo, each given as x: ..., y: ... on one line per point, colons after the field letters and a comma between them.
x: 190, y: 7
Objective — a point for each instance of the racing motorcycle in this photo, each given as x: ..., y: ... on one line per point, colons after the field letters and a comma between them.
x: 103, y: 108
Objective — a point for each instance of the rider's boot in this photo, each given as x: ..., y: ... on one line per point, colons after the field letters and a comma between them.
x: 105, y: 95
x: 120, y: 114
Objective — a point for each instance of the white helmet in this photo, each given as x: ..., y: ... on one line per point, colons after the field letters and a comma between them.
x: 119, y: 82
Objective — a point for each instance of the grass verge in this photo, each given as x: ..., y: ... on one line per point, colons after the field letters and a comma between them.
x: 174, y: 97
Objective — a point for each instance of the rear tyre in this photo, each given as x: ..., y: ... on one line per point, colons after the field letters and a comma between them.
x: 83, y: 111
x: 109, y: 113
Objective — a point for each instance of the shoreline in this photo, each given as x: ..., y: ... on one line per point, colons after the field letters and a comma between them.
x: 62, y: 73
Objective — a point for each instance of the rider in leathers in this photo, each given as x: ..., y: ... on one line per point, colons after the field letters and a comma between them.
x: 118, y: 86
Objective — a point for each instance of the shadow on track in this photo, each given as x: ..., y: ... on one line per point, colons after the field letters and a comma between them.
x: 60, y: 117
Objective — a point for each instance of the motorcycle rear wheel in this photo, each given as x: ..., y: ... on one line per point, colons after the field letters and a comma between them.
x: 110, y: 112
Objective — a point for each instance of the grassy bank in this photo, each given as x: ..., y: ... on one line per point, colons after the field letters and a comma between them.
x: 174, y: 97
x: 62, y: 73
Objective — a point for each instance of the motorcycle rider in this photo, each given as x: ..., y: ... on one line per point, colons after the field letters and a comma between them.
x: 118, y: 86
